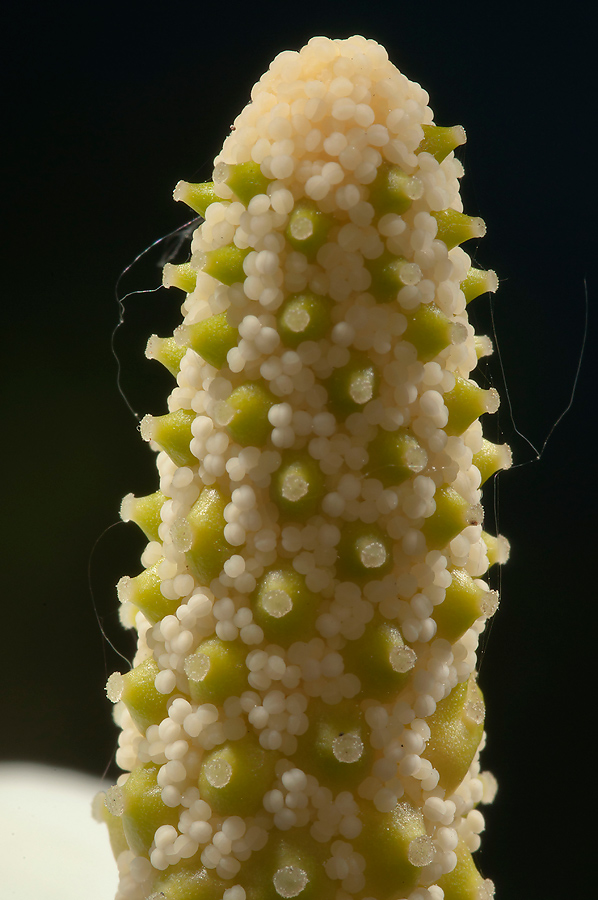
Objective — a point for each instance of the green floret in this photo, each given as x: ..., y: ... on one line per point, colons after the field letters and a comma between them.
x: 212, y: 338
x: 384, y: 844
x: 251, y: 403
x: 197, y: 196
x: 144, y: 810
x: 172, y: 433
x: 144, y: 592
x: 283, y: 606
x: 380, y: 659
x: 452, y: 515
x: 393, y: 190
x: 146, y: 705
x: 217, y: 670
x: 226, y: 264
x: 364, y: 552
x: 455, y: 228
x: 189, y: 881
x: 308, y: 228
x: 353, y: 385
x: 464, y: 882
x: 145, y: 512
x: 303, y: 317
x: 386, y: 276
x: 456, y: 729
x: 477, y: 282
x: 182, y: 276
x: 208, y: 548
x: 465, y: 403
x: 246, y: 181
x: 290, y: 865
x: 460, y: 607
x: 336, y: 746
x: 167, y: 351
x: 439, y: 140
x: 429, y: 330
x: 235, y: 776
x: 491, y: 458
x: 297, y: 486
x: 395, y: 456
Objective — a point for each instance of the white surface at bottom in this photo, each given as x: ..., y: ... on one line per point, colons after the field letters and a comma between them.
x: 50, y: 846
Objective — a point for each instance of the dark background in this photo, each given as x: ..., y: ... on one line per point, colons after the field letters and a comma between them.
x: 106, y: 107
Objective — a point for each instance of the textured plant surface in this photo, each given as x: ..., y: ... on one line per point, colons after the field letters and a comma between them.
x: 303, y: 719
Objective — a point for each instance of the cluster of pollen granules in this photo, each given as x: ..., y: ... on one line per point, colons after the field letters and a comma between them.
x: 303, y: 719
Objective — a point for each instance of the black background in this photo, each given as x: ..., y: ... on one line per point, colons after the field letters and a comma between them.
x: 106, y: 107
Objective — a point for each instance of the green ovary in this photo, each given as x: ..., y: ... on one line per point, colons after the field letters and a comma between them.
x: 456, y: 730
x: 235, y: 776
x: 146, y: 705
x: 393, y: 190
x: 226, y: 264
x: 289, y: 866
x: 384, y: 842
x: 203, y: 535
x: 335, y: 748
x: 145, y: 512
x: 395, y: 456
x: 303, y: 317
x: 308, y: 228
x: 212, y: 338
x: 453, y: 513
x: 460, y: 607
x: 351, y: 386
x: 144, y: 592
x: 188, y: 882
x: 216, y: 670
x: 283, y: 606
x: 297, y: 486
x: 246, y: 181
x: 464, y: 882
x: 380, y: 659
x: 387, y: 276
x: 172, y: 433
x: 251, y: 404
x: 144, y: 810
x: 364, y: 552
x: 429, y: 330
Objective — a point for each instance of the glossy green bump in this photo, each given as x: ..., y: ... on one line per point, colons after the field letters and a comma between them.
x: 464, y: 882
x: 246, y: 181
x: 456, y: 730
x: 146, y: 705
x: 303, y: 317
x: 167, y: 351
x: 384, y: 843
x: 187, y: 881
x: 393, y: 190
x: 477, y: 282
x: 353, y: 385
x: 145, y: 512
x: 308, y: 228
x: 460, y: 608
x: 144, y: 592
x: 395, y: 456
x: 212, y: 338
x: 364, y: 552
x: 336, y: 746
x: 217, y: 670
x: 455, y: 228
x: 226, y: 264
x: 380, y: 659
x: 290, y: 865
x: 440, y: 140
x: 172, y: 433
x: 467, y: 402
x: 429, y: 330
x: 235, y: 776
x: 251, y: 404
x: 181, y: 276
x: 283, y: 606
x: 386, y: 271
x: 144, y: 810
x: 491, y: 458
x: 453, y: 513
x: 206, y: 547
x: 197, y: 196
x: 297, y: 486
